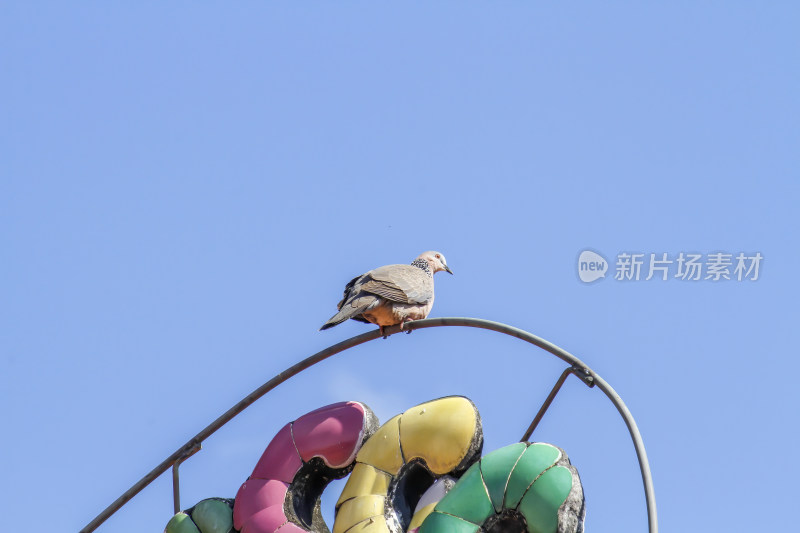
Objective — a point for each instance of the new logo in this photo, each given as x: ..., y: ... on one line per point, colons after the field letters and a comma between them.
x: 591, y: 266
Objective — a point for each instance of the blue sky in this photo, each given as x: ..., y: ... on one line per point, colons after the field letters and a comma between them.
x: 186, y: 188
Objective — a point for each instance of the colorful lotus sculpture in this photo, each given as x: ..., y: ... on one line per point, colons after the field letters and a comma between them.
x: 421, y: 472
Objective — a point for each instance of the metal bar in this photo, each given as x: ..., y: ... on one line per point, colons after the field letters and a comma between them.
x: 578, y: 368
x: 546, y: 405
x: 638, y: 444
x: 585, y: 373
x: 176, y: 489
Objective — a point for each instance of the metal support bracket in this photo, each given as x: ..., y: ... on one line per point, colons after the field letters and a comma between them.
x: 176, y: 487
x: 583, y: 373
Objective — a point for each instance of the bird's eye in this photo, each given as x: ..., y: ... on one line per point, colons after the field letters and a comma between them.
x: 438, y: 256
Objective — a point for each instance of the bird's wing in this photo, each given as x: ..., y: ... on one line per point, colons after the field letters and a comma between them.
x: 350, y: 290
x: 399, y: 283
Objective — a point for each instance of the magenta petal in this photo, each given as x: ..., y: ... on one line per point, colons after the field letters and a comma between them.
x: 336, y: 405
x: 332, y: 433
x: 280, y: 460
x: 265, y: 521
x: 255, y: 496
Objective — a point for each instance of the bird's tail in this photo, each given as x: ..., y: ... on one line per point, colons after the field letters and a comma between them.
x: 347, y: 312
x: 335, y: 320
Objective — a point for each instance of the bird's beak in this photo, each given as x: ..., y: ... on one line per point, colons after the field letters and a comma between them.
x: 447, y: 268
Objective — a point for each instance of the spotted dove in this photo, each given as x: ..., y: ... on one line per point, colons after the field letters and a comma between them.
x: 391, y: 294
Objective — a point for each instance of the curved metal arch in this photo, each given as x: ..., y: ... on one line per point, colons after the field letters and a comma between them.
x: 579, y: 368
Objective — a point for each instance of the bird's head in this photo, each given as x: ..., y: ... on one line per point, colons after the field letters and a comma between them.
x: 436, y: 261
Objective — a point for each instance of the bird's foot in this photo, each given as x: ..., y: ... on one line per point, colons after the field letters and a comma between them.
x: 403, y: 326
x: 383, y: 333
